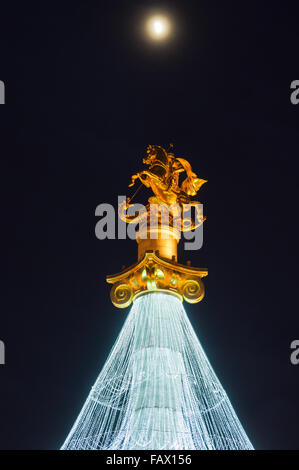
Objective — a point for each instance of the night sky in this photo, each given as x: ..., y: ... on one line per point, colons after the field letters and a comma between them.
x: 85, y: 95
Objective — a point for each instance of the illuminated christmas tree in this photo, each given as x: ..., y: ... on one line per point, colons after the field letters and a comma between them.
x: 157, y: 389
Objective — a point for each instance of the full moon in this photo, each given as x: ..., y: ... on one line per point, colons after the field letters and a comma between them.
x: 158, y: 27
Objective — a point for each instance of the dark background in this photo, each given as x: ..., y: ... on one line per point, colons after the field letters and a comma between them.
x: 85, y: 95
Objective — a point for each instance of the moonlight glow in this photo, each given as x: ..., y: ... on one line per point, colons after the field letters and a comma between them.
x: 158, y: 27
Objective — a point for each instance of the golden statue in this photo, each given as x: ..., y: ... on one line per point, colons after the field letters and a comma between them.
x: 162, y: 177
x: 157, y: 268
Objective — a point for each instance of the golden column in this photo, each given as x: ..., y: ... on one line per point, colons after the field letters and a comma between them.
x: 157, y: 389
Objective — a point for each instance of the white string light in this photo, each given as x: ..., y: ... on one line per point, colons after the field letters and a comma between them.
x: 157, y: 389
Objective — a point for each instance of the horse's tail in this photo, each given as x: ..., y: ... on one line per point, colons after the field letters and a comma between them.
x: 187, y: 167
x: 191, y: 184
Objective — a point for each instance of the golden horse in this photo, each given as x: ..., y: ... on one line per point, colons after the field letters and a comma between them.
x: 163, y: 176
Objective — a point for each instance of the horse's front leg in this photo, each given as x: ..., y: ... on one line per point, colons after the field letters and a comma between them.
x: 144, y: 177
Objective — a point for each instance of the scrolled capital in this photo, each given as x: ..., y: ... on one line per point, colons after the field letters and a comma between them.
x: 193, y: 290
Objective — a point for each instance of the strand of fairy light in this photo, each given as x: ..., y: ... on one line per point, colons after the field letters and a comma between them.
x: 157, y: 389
